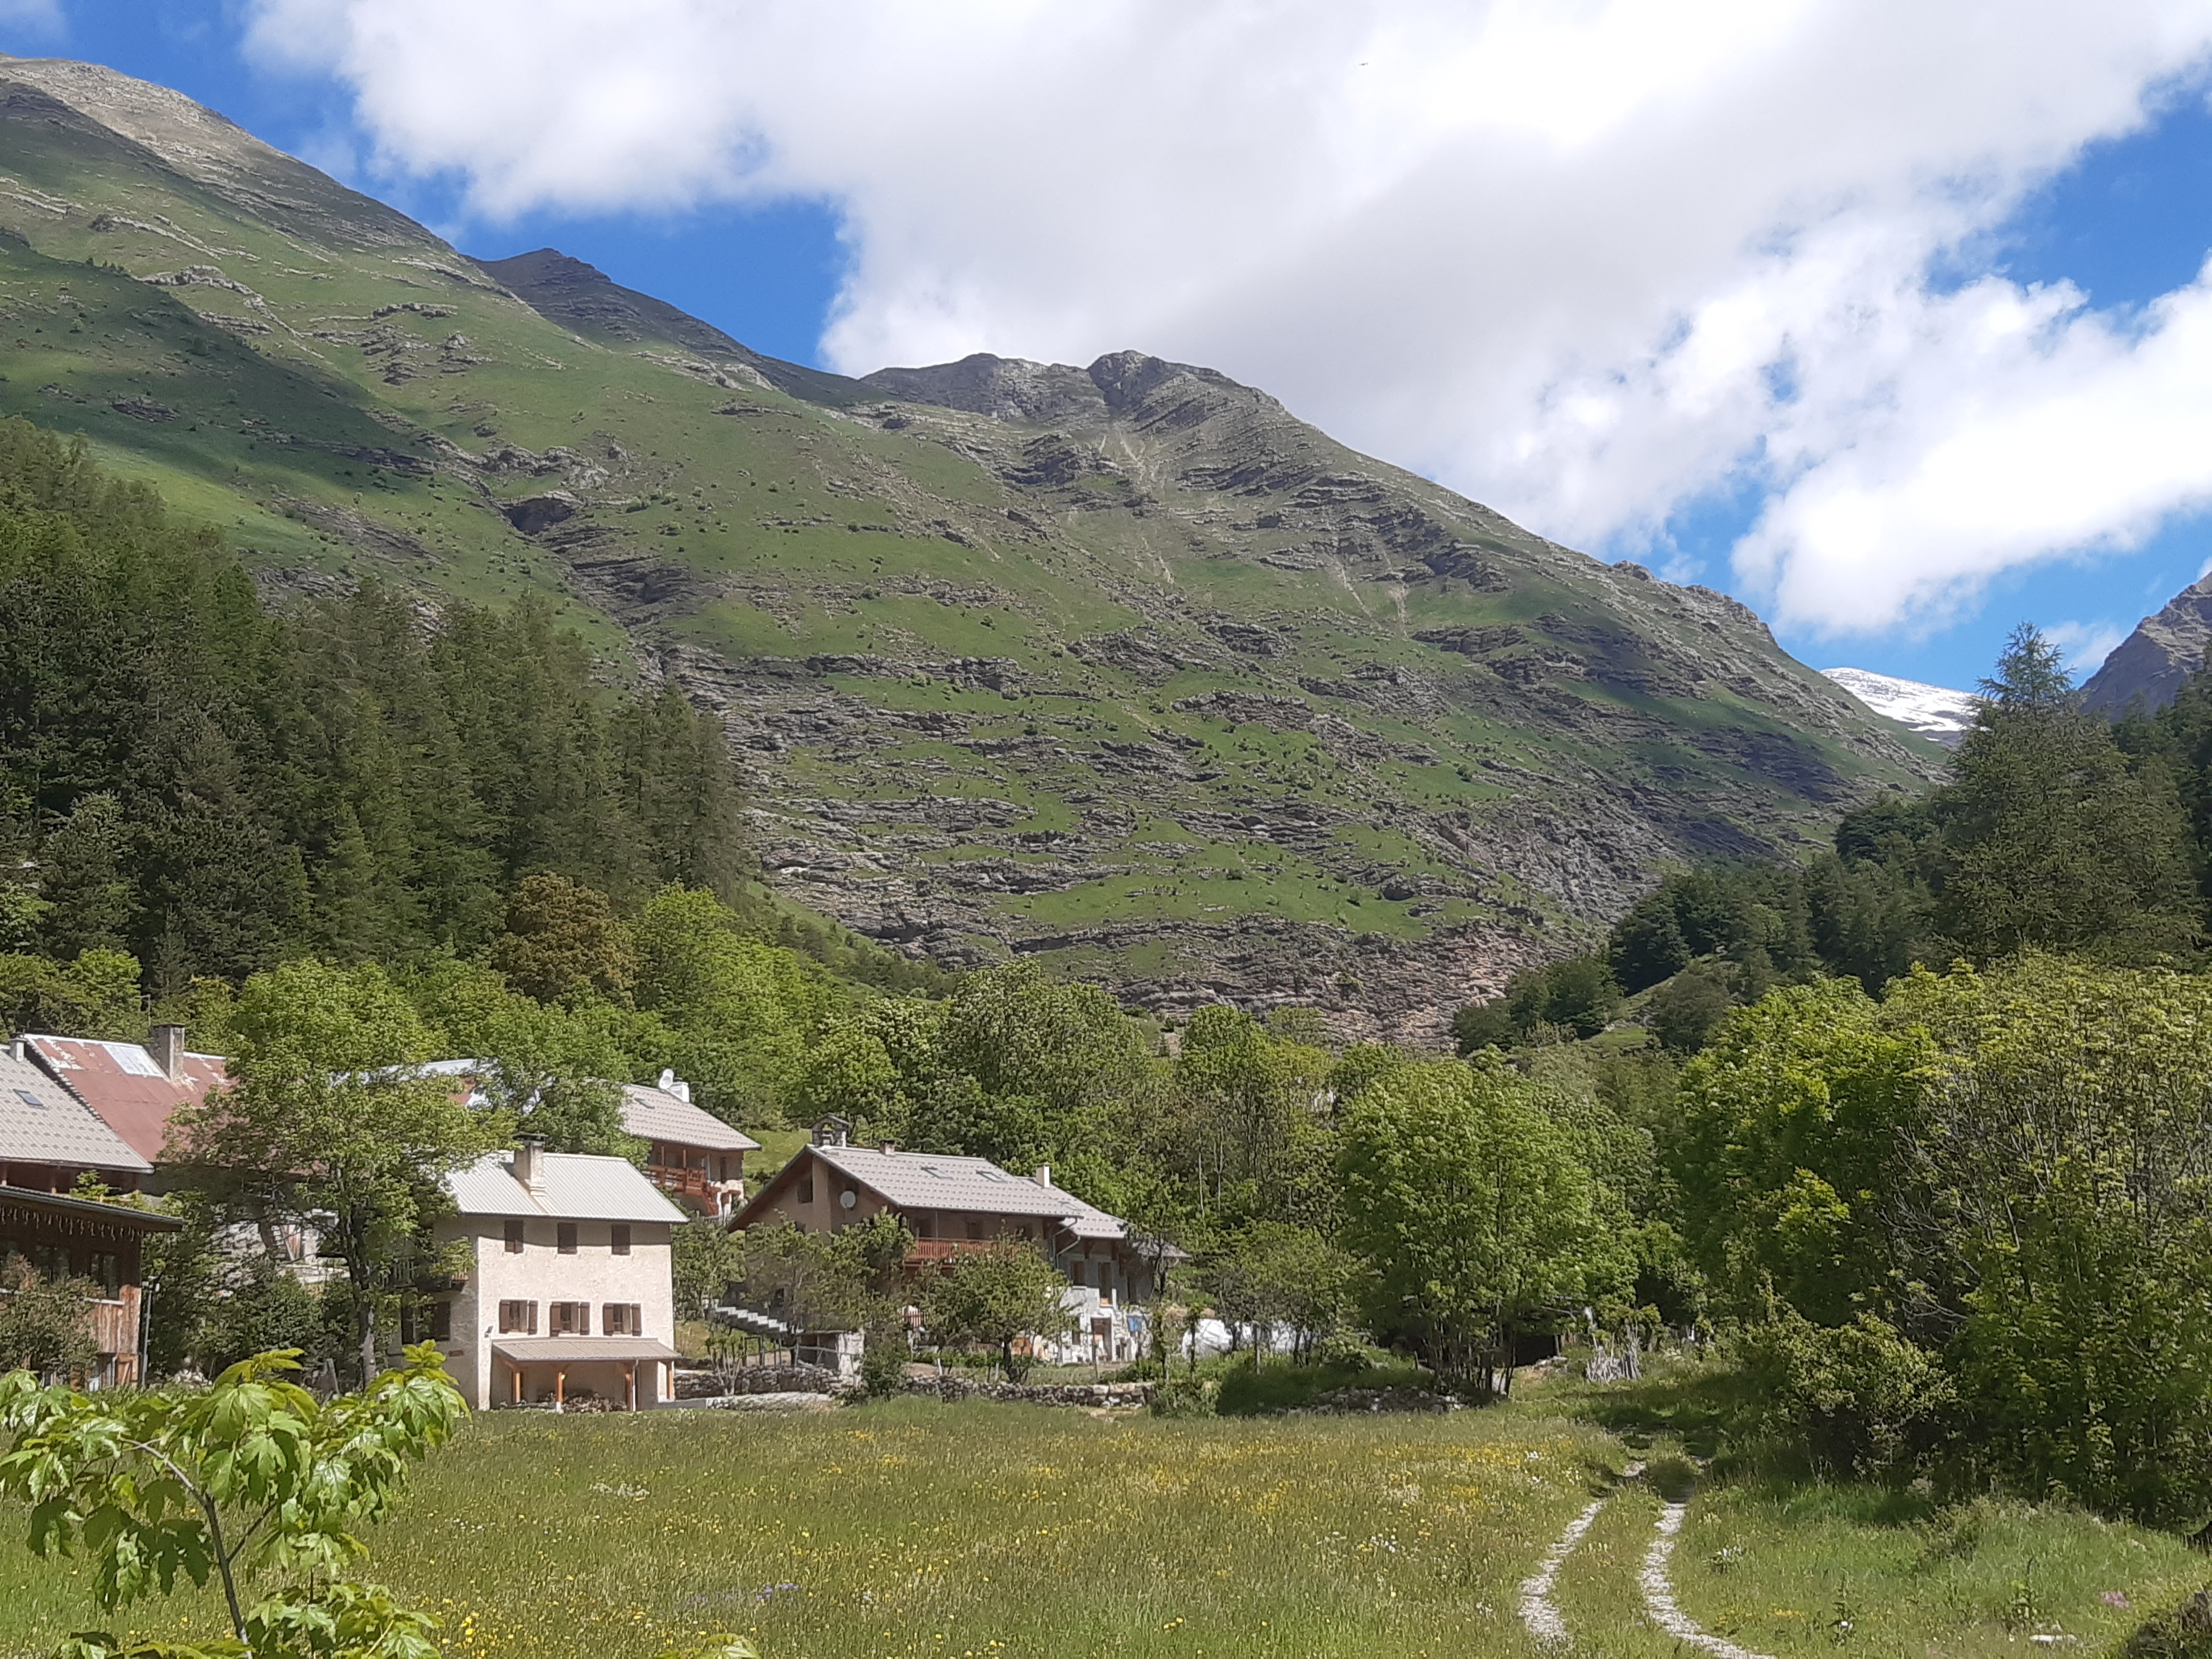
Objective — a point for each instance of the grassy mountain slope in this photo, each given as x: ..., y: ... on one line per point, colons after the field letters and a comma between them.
x: 1123, y: 665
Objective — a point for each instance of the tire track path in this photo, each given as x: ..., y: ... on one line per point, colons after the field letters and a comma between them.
x: 1659, y: 1592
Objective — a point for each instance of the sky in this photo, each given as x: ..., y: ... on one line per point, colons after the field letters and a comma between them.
x: 1892, y: 320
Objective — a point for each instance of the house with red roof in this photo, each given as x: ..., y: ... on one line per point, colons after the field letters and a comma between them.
x: 132, y: 1087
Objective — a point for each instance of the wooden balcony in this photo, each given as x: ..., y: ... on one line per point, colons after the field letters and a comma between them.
x: 930, y: 1252
x: 697, y: 1185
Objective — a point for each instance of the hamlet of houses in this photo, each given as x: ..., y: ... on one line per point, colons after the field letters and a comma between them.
x: 565, y: 1292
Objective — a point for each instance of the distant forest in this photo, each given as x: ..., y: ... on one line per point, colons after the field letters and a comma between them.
x: 2057, y: 830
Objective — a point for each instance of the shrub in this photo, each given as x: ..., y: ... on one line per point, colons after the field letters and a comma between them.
x: 1860, y: 1398
x: 1185, y: 1396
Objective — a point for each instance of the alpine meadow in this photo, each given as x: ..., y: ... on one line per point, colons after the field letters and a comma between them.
x: 665, y: 1004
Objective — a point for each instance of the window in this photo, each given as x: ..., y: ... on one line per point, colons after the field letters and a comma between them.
x: 569, y: 1319
x: 514, y: 1238
x: 108, y: 1270
x: 622, y: 1319
x: 806, y: 1190
x: 925, y: 1226
x: 518, y: 1319
x: 564, y: 1237
x: 619, y: 1238
x: 442, y: 1322
x: 30, y: 1100
x: 974, y: 1229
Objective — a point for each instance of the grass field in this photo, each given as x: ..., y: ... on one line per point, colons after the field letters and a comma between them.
x: 980, y: 1530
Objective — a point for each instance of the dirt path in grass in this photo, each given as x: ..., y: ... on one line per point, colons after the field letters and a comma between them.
x: 1538, y: 1611
x: 1541, y: 1614
x: 1659, y: 1592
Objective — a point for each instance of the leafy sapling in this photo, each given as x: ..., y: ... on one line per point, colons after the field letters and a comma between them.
x: 251, y: 1483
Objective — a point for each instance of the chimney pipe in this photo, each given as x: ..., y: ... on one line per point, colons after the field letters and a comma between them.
x: 890, y: 1146
x: 529, y: 1164
x: 166, y: 1045
x: 1043, y: 1176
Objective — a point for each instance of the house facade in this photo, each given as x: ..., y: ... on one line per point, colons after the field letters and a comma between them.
x: 691, y: 1154
x: 65, y: 1238
x: 950, y: 1203
x: 566, y: 1292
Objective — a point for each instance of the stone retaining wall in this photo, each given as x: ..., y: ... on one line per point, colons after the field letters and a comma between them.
x: 1094, y: 1394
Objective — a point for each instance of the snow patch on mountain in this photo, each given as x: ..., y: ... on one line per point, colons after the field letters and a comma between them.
x: 1930, y: 710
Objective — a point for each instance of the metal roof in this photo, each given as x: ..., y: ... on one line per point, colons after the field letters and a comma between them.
x: 655, y: 1114
x: 577, y: 1187
x: 42, y: 1122
x: 580, y: 1350
x: 975, y: 1186
x: 126, y: 1086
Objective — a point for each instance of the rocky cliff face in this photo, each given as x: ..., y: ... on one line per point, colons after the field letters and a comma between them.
x: 1120, y: 667
x: 2151, y: 664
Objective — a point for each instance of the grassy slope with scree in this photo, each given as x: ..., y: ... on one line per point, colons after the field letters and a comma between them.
x: 1179, y: 692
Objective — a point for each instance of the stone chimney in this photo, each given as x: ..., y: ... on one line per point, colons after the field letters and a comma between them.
x: 167, y: 1044
x: 529, y: 1162
x: 1042, y: 1175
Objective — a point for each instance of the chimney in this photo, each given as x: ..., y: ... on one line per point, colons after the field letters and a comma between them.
x: 167, y: 1044
x: 1043, y: 1176
x: 529, y: 1162
x: 673, y: 1085
x: 890, y: 1146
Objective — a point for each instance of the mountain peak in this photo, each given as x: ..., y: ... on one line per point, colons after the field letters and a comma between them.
x: 1932, y: 711
x: 2152, y: 663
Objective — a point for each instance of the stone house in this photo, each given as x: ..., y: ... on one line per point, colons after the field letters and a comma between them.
x: 950, y: 1204
x: 566, y: 1291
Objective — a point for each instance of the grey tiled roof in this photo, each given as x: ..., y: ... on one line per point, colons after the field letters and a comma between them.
x: 931, y: 1181
x: 655, y: 1114
x: 42, y: 1122
x: 578, y: 1187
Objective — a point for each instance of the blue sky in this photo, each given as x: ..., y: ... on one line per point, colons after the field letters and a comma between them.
x: 2117, y: 204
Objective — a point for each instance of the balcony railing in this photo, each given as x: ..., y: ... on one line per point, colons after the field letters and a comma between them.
x: 694, y: 1183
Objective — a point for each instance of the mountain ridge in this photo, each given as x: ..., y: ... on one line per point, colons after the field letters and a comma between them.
x: 1121, y: 665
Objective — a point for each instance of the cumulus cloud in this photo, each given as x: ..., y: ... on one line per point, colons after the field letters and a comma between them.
x: 1589, y: 261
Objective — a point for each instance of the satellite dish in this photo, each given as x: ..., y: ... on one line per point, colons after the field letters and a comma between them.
x: 848, y: 1198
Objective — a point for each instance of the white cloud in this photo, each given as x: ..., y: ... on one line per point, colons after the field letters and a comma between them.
x: 1588, y: 261
x: 38, y: 16
x: 2085, y: 645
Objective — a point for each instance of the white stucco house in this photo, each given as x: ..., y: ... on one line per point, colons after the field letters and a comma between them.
x: 567, y: 1290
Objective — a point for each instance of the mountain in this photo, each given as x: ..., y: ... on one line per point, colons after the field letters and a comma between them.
x: 2152, y: 662
x: 1928, y: 711
x: 1122, y: 666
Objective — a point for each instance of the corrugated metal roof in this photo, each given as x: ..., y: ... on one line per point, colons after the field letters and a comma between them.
x: 975, y: 1186
x: 580, y: 1350
x: 656, y: 1114
x: 126, y: 1086
x: 577, y: 1187
x: 41, y: 1122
